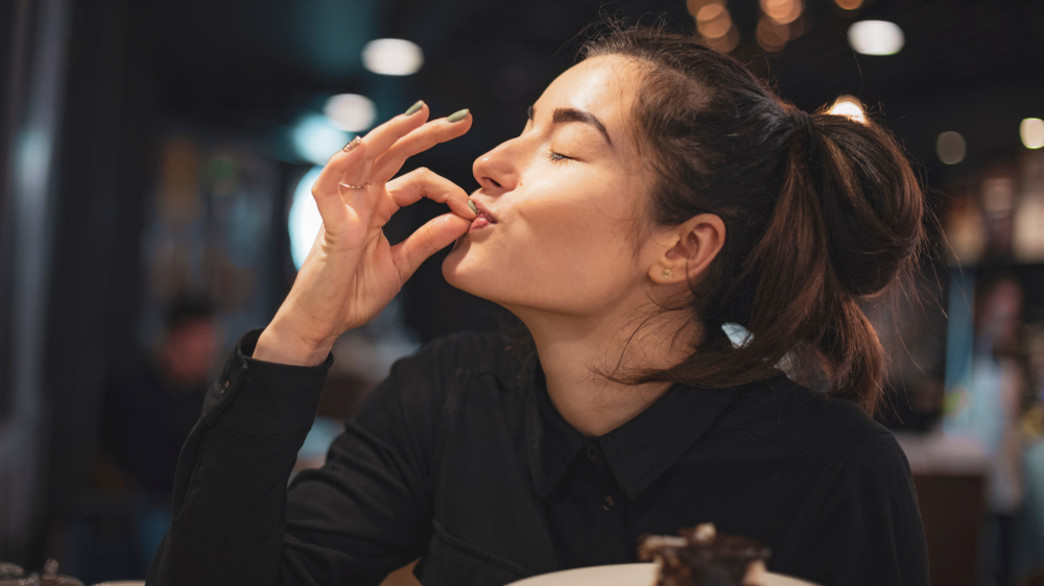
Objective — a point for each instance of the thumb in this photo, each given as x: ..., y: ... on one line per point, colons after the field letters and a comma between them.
x: 436, y: 234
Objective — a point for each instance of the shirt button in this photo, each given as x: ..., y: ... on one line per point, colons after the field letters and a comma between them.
x: 607, y: 503
x: 592, y: 455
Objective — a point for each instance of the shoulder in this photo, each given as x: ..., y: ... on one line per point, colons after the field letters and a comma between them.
x: 462, y: 355
x: 447, y: 367
x: 827, y: 430
x: 424, y: 394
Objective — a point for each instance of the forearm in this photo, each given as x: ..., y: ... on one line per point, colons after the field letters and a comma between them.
x: 230, y: 490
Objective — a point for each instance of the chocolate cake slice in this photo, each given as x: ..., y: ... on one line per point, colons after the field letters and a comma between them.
x: 700, y: 557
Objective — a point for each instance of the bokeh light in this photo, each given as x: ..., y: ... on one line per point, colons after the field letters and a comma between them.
x: 771, y: 35
x: 951, y: 147
x: 393, y: 57
x: 713, y: 21
x: 850, y: 107
x: 849, y: 4
x: 315, y: 138
x: 876, y: 37
x: 782, y: 11
x: 351, y: 112
x: 303, y: 220
x: 1031, y: 130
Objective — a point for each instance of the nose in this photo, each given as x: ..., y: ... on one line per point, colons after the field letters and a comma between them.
x: 497, y: 170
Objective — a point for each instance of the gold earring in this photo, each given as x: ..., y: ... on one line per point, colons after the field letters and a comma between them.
x: 667, y: 273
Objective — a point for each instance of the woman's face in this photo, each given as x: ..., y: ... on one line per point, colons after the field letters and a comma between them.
x: 561, y: 205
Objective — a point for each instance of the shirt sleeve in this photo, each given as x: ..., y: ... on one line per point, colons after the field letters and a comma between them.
x: 869, y: 530
x: 368, y: 510
x: 234, y: 522
x: 228, y: 497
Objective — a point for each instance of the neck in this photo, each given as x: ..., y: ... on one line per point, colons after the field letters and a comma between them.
x: 577, y: 354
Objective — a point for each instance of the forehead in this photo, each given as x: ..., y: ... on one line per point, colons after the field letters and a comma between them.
x: 605, y: 86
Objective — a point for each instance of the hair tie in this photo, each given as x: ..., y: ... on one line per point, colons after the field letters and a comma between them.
x: 803, y: 121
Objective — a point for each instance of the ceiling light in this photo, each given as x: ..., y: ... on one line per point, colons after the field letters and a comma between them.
x: 950, y: 147
x: 392, y: 57
x: 351, y: 112
x: 876, y: 37
x: 1032, y: 132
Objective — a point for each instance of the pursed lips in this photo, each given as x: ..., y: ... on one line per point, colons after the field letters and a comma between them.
x: 484, y: 218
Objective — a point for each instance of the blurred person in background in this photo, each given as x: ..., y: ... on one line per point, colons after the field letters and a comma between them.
x: 150, y: 404
x: 1029, y: 553
x: 998, y: 387
x: 149, y: 411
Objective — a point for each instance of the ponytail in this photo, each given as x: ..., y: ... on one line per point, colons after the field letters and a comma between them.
x: 847, y: 220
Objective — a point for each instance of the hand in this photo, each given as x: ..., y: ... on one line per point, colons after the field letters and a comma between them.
x: 352, y: 271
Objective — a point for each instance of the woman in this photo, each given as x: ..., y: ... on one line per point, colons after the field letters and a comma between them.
x: 657, y: 192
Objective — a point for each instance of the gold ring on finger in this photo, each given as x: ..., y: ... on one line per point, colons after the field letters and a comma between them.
x: 352, y: 144
x: 363, y: 185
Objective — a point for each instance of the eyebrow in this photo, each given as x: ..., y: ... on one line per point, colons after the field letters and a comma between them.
x: 563, y: 115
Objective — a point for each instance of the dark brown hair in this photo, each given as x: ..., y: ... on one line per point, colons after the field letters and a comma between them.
x: 820, y: 211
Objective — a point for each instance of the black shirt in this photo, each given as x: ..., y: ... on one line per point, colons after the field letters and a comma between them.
x: 459, y: 458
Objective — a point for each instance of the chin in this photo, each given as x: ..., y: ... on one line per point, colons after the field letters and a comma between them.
x: 466, y: 271
x: 454, y: 268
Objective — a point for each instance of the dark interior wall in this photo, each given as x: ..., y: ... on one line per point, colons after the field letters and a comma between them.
x: 15, y: 20
x: 15, y: 24
x: 104, y: 167
x: 34, y: 72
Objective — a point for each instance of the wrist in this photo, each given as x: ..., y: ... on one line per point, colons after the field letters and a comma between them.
x: 278, y: 345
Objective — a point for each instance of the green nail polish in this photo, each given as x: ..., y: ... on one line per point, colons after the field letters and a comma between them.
x: 471, y: 205
x: 458, y: 115
x: 415, y: 108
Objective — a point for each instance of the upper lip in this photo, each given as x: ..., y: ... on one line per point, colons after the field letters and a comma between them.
x: 483, y: 212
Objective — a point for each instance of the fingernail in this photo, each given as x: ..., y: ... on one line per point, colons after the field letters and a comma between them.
x: 415, y: 108
x: 458, y: 115
x: 471, y: 205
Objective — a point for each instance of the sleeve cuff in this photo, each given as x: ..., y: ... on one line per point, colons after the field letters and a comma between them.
x: 264, y: 398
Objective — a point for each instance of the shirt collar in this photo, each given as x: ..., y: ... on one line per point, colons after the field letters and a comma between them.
x: 552, y: 443
x: 638, y: 452
x: 641, y: 450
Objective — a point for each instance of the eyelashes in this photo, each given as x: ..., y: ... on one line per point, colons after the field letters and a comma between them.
x: 558, y: 157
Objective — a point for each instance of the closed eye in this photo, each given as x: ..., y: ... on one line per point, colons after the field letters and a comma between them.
x: 559, y: 157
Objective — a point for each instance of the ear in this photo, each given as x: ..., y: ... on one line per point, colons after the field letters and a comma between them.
x: 688, y: 249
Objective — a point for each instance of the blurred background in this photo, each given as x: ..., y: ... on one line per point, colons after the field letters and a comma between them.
x: 155, y: 162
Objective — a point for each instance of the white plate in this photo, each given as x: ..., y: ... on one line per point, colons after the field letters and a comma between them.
x: 624, y: 575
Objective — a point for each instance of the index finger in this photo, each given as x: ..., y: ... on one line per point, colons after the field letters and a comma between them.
x: 389, y: 161
x: 378, y: 140
x: 423, y: 182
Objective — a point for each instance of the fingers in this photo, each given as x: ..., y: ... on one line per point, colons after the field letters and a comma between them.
x: 389, y: 161
x: 437, y: 233
x: 327, y: 192
x: 350, y: 165
x: 433, y: 236
x: 423, y: 182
